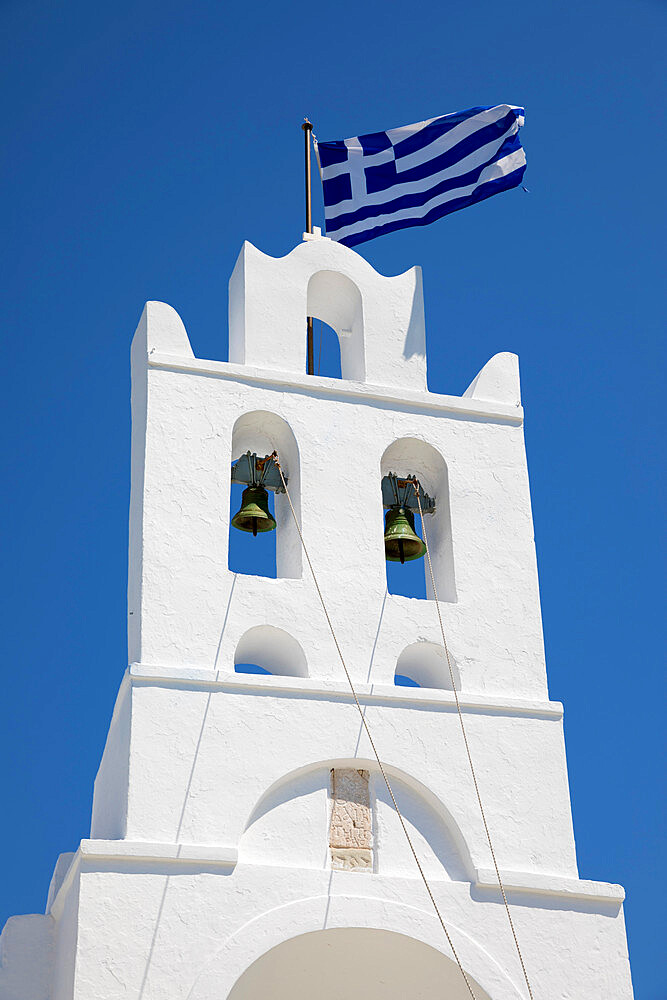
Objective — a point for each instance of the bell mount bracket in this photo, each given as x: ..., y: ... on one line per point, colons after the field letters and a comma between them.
x: 399, y: 492
x: 253, y: 471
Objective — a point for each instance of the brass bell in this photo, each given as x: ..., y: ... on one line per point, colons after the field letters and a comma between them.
x: 254, y: 514
x: 401, y: 543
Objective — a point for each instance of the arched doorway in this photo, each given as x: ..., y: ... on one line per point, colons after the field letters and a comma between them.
x: 346, y: 962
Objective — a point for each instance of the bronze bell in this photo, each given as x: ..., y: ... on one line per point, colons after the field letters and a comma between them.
x: 254, y: 514
x: 401, y: 543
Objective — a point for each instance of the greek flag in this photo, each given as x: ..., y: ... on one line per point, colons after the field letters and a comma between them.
x: 411, y: 176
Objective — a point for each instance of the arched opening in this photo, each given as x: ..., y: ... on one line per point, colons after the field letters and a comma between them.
x: 354, y: 961
x: 424, y: 664
x: 272, y: 553
x: 335, y: 299
x: 414, y: 457
x: 266, y: 649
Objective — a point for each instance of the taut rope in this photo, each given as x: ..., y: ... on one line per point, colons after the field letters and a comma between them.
x: 465, y: 740
x: 370, y: 738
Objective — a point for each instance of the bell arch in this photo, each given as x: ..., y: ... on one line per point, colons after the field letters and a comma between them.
x: 263, y: 432
x: 335, y: 299
x: 411, y: 456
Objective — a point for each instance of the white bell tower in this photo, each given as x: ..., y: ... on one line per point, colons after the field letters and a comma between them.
x: 243, y: 844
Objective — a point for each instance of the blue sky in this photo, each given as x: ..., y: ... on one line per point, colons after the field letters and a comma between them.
x: 143, y: 142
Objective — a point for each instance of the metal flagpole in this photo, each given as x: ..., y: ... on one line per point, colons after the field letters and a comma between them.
x: 307, y: 130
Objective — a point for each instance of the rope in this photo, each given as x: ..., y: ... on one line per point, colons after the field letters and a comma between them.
x: 319, y: 353
x: 465, y: 740
x: 370, y: 738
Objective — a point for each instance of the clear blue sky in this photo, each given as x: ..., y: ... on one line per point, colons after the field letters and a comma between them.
x: 143, y: 142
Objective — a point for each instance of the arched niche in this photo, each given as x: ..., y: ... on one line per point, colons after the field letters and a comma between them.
x: 372, y: 963
x: 425, y: 663
x: 273, y: 649
x: 289, y: 824
x: 335, y: 299
x: 263, y: 432
x: 413, y: 456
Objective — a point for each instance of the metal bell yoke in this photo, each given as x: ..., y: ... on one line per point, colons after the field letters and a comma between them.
x: 260, y: 475
x: 401, y: 542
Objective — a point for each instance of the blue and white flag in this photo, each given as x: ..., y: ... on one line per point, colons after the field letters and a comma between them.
x: 411, y: 176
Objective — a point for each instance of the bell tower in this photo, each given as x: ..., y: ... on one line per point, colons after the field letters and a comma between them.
x: 243, y: 842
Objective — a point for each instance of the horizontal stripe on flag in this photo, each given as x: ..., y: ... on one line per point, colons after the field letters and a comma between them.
x: 386, y: 175
x: 414, y: 149
x: 418, y: 193
x: 498, y: 176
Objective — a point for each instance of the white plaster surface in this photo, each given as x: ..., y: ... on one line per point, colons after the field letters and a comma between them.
x: 209, y: 739
x: 209, y: 841
x: 109, y: 817
x: 63, y: 865
x: 182, y: 934
x: 26, y: 957
x: 65, y: 911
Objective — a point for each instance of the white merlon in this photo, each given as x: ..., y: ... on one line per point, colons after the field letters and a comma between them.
x: 498, y: 381
x: 160, y: 329
x: 222, y: 862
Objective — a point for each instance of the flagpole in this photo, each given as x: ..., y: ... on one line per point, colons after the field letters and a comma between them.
x: 307, y: 130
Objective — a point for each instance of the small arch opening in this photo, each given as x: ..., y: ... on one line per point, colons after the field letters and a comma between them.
x: 402, y: 680
x: 265, y: 649
x: 272, y: 553
x: 424, y: 665
x: 335, y: 300
x: 251, y: 668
